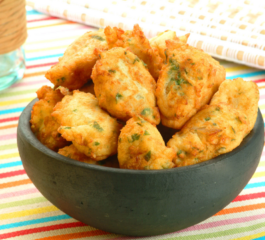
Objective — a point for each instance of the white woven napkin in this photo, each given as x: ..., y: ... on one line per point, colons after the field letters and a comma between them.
x: 231, y: 30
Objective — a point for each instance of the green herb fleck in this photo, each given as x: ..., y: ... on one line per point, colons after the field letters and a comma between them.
x: 179, y: 152
x: 99, y: 56
x: 165, y: 54
x: 214, y: 124
x: 217, y: 109
x: 185, y: 71
x: 118, y: 97
x: 136, y: 60
x: 144, y: 64
x: 98, y: 37
x: 146, y: 111
x: 120, y: 140
x: 192, y: 63
x: 135, y: 137
x: 97, y: 126
x: 112, y: 71
x: 140, y: 124
x: 233, y: 129
x: 96, y: 143
x: 221, y: 149
x: 75, y: 110
x: 67, y: 128
x: 125, y: 53
x: 146, y: 133
x: 62, y: 79
x: 207, y: 119
x: 147, y: 156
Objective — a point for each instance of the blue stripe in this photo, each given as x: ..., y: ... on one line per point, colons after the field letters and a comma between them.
x: 245, y: 75
x: 34, y: 221
x: 11, y: 164
x: 260, y: 238
x: 254, y: 185
x: 33, y: 12
x: 44, y: 57
x: 12, y: 110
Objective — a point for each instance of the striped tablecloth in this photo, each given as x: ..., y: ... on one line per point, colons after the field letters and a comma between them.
x: 26, y: 214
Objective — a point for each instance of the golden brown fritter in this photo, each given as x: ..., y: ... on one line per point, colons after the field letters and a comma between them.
x: 159, y: 42
x: 92, y: 131
x: 187, y: 81
x: 217, y: 128
x: 142, y: 147
x: 137, y: 43
x: 72, y: 152
x: 124, y: 87
x: 241, y: 95
x: 75, y: 66
x: 43, y: 125
x: 88, y: 88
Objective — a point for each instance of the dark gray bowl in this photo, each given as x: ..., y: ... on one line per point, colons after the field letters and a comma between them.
x: 138, y: 203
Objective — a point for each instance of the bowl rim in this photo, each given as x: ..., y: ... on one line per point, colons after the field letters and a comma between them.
x: 28, y: 135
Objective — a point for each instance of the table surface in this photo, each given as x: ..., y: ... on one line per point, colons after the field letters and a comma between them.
x: 26, y: 214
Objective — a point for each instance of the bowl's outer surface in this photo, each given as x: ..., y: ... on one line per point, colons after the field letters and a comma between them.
x: 139, y: 203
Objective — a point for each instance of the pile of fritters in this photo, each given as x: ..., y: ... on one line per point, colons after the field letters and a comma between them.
x: 112, y: 87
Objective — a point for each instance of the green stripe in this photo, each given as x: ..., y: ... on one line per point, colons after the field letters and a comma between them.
x: 262, y: 164
x: 221, y: 233
x: 23, y: 202
x: 9, y: 146
x: 11, y: 94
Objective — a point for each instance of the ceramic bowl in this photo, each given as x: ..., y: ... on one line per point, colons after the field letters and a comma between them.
x: 133, y: 202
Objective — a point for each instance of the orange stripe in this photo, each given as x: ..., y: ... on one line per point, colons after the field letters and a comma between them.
x: 34, y: 74
x: 76, y: 235
x: 241, y: 209
x: 15, y: 183
x: 8, y: 126
x: 52, y: 25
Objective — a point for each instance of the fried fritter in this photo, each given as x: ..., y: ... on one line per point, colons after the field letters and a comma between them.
x: 88, y: 88
x: 241, y: 95
x: 72, y: 152
x: 187, y: 81
x: 43, y: 125
x: 159, y: 42
x: 92, y: 131
x: 124, y: 87
x: 137, y: 43
x: 75, y: 67
x: 142, y: 147
x: 217, y: 128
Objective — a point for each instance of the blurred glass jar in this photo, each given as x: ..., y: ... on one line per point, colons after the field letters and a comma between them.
x: 12, y: 67
x: 13, y: 34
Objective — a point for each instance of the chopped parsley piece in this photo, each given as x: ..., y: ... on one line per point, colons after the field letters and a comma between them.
x: 62, y: 79
x: 185, y: 71
x: 146, y: 133
x: 67, y: 128
x: 179, y: 152
x: 214, y: 124
x: 207, y: 119
x: 192, y: 63
x: 165, y: 54
x: 233, y: 129
x: 147, y: 156
x: 140, y: 124
x: 221, y: 149
x: 75, y: 110
x: 119, y: 139
x: 98, y: 37
x: 144, y: 64
x: 136, y: 60
x: 118, y: 97
x: 135, y: 137
x: 112, y: 71
x: 96, y: 143
x: 146, y: 111
x: 217, y: 109
x: 97, y: 126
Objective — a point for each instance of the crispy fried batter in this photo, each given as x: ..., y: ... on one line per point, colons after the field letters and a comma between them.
x: 75, y: 67
x: 92, y: 131
x: 159, y: 42
x: 124, y: 87
x: 137, y: 43
x: 241, y: 95
x: 217, y: 128
x: 142, y: 147
x: 72, y: 152
x: 43, y: 125
x: 187, y: 82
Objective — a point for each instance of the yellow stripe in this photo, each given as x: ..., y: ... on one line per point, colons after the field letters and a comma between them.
x: 5, y: 103
x: 259, y: 174
x: 51, y: 40
x: 10, y: 155
x: 27, y: 212
x: 236, y: 68
x: 257, y: 235
x: 47, y: 49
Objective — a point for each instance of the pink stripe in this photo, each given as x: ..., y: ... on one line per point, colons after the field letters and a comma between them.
x: 18, y: 193
x: 212, y: 224
x: 262, y: 97
x: 29, y: 83
x: 8, y: 136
